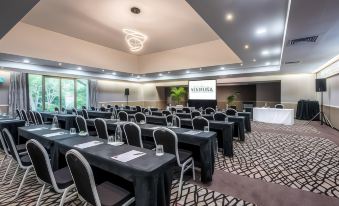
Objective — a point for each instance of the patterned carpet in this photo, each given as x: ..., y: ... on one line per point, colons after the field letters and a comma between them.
x: 191, y: 195
x: 282, y: 155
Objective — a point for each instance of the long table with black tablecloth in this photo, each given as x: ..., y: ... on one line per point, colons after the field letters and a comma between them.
x: 204, y: 141
x: 248, y: 118
x: 66, y: 121
x: 12, y: 125
x: 307, y: 109
x: 151, y: 175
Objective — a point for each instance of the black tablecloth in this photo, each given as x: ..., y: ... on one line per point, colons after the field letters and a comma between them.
x: 224, y: 131
x: 151, y: 175
x: 12, y: 125
x: 99, y: 114
x: 204, y: 141
x: 306, y: 110
x: 66, y: 121
x: 127, y: 111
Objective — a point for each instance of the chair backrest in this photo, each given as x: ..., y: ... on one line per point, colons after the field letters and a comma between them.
x: 83, y: 107
x: 39, y: 118
x: 219, y: 116
x: 81, y: 122
x: 103, y: 109
x: 63, y: 109
x: 56, y: 109
x: 108, y: 106
x: 11, y: 145
x: 139, y: 116
x: 3, y: 144
x: 173, y: 109
x: 85, y: 114
x: 32, y: 117
x: 147, y: 110
x: 101, y: 128
x: 18, y: 113
x: 186, y: 109
x: 41, y: 163
x: 127, y: 107
x: 209, y: 110
x: 133, y: 134
x: 93, y: 108
x: 75, y: 111
x: 199, y: 123
x: 169, y: 118
x: 123, y: 116
x: 231, y: 112
x: 24, y: 115
x: 116, y: 106
x: 138, y: 108
x: 166, y: 112
x: 169, y: 140
x: 195, y: 114
x: 83, y: 178
x: 279, y: 106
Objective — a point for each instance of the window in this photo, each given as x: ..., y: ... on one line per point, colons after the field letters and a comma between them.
x: 46, y: 92
x: 35, y: 92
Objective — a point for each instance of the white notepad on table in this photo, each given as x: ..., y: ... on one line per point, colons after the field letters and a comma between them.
x: 53, y: 134
x: 37, y: 129
x: 88, y: 144
x: 128, y: 156
x: 192, y: 132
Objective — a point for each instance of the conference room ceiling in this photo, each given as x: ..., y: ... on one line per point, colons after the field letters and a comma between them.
x: 168, y: 24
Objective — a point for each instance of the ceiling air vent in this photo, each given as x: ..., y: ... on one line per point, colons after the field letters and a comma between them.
x: 292, y: 62
x: 310, y: 39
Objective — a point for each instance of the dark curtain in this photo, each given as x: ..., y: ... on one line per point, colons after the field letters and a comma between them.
x: 18, y: 92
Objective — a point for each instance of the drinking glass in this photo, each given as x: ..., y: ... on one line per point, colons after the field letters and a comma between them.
x: 159, y: 151
x: 132, y: 119
x: 206, y: 129
x: 72, y: 131
x: 226, y: 119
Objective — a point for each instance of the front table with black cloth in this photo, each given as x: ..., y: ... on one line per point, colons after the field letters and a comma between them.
x: 224, y: 132
x: 307, y: 109
x: 12, y: 125
x: 151, y: 175
x: 204, y: 141
x: 66, y: 121
x: 47, y: 142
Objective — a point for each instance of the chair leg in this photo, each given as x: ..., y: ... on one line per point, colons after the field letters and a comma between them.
x: 2, y: 161
x: 193, y: 169
x: 8, y: 167
x: 64, y: 195
x: 22, y: 182
x: 41, y: 194
x: 16, y: 171
x: 180, y: 181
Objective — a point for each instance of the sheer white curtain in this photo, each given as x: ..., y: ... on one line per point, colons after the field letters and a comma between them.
x: 93, y: 89
x: 18, y: 92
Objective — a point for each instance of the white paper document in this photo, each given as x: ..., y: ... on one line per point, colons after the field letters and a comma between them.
x: 192, y: 132
x: 54, y: 134
x: 128, y: 156
x: 37, y: 129
x: 155, y: 128
x: 88, y: 144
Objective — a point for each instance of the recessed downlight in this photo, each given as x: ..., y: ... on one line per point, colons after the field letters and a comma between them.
x: 103, y: 70
x: 60, y: 64
x: 138, y: 76
x: 79, y: 68
x: 26, y: 61
x: 187, y: 72
x: 160, y: 74
x: 222, y: 68
x: 254, y: 60
x: 268, y: 63
x: 114, y: 73
x: 241, y: 64
x: 229, y: 17
x: 265, y: 52
x: 261, y: 31
x: 246, y: 46
x: 200, y: 69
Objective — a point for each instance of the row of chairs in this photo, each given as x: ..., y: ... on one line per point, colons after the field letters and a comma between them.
x: 30, y: 116
x: 162, y: 136
x: 78, y: 174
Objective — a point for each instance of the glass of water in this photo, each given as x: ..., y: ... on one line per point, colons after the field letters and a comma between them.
x: 226, y: 119
x: 72, y: 131
x: 159, y: 151
x: 206, y: 129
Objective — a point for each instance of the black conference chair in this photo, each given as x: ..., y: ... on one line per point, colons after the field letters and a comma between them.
x: 231, y: 112
x: 173, y: 110
x: 56, y: 109
x: 106, y: 194
x: 93, y: 108
x: 123, y: 116
x: 108, y: 106
x: 83, y: 107
x: 149, y: 111
x: 63, y: 109
x: 82, y: 126
x: 138, y: 108
x: 198, y: 123
x: 195, y: 114
x: 101, y: 128
x: 18, y: 114
x: 61, y: 180
x: 22, y: 160
x: 127, y: 107
x: 32, y: 117
x: 24, y: 116
x: 102, y: 109
x: 209, y: 110
x: 75, y: 111
x: 139, y: 117
x: 116, y: 106
x: 169, y: 140
x: 133, y: 136
x: 279, y: 106
x: 170, y: 118
x: 186, y: 110
x: 85, y: 114
x: 166, y: 112
x: 219, y: 116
